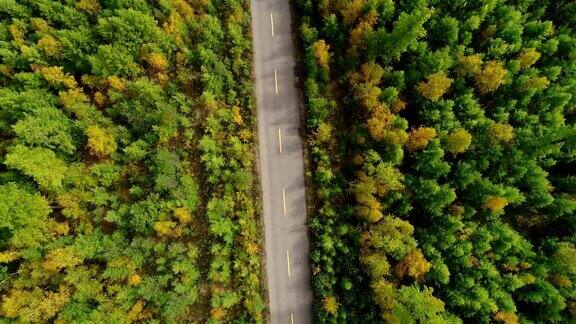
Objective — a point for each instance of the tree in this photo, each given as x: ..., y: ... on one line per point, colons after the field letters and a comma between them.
x: 100, y: 142
x: 415, y: 305
x: 501, y: 133
x: 321, y: 52
x: 183, y: 215
x: 458, y: 141
x: 50, y: 46
x: 469, y: 65
x: 564, y: 258
x: 39, y: 163
x: 112, y: 235
x: 365, y: 190
x: 380, y: 123
x: 419, y: 138
x: 324, y: 133
x: 351, y: 11
x: 113, y: 60
x: 34, y: 305
x: 491, y: 77
x: 90, y: 6
x: 414, y: 264
x: 495, y: 204
x: 165, y: 228
x: 331, y: 305
x: 47, y: 127
x: 61, y: 258
x: 24, y: 214
x: 490, y: 85
x: 506, y: 318
x: 392, y: 236
x: 158, y: 62
x: 406, y: 31
x: 377, y: 264
x: 535, y: 83
x: 435, y: 87
x: 55, y: 76
x: 528, y: 57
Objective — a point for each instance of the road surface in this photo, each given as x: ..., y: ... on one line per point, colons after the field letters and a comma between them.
x: 281, y: 164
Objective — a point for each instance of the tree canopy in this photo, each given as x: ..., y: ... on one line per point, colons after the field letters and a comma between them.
x: 126, y: 164
x: 448, y: 182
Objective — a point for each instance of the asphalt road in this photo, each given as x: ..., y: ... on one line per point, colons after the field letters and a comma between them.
x: 281, y: 164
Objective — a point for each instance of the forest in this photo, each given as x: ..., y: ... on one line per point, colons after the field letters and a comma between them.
x: 441, y: 137
x: 127, y: 187
x: 442, y: 148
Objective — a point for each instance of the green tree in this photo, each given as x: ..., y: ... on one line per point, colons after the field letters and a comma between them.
x: 406, y: 31
x: 39, y: 163
x: 24, y: 214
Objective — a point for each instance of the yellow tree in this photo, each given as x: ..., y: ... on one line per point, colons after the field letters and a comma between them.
x: 385, y: 295
x: 39, y: 25
x: 380, y: 123
x: 35, y: 305
x: 565, y: 257
x: 495, y: 203
x: 419, y: 138
x: 501, y: 132
x: 100, y: 142
x: 469, y: 65
x: 377, y: 264
x: 351, y: 11
x: 371, y: 73
x: 158, y: 62
x: 528, y: 57
x: 364, y: 190
x: 72, y: 97
x: 183, y: 215
x: 368, y: 94
x: 506, y: 318
x: 218, y: 313
x: 184, y: 9
x: 70, y: 203
x: 491, y: 77
x: 56, y: 76
x: 134, y: 279
x: 414, y: 264
x: 359, y: 33
x: 370, y: 212
x: 116, y: 83
x: 99, y: 99
x: 9, y: 256
x: 536, y: 83
x: 61, y: 258
x: 173, y: 26
x: 321, y: 52
x: 459, y: 141
x: 237, y: 115
x: 165, y: 228
x: 323, y: 133
x: 435, y: 86
x: 135, y: 312
x: 18, y: 36
x: 89, y: 6
x: 50, y: 46
x: 330, y: 305
x: 397, y: 106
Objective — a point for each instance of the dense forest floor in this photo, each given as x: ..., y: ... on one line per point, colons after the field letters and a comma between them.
x: 443, y: 151
x: 127, y: 187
